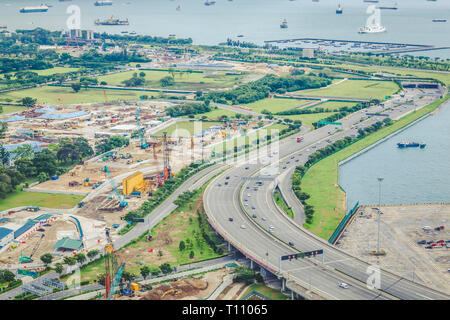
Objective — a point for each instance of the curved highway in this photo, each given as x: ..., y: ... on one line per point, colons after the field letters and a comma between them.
x: 263, y: 233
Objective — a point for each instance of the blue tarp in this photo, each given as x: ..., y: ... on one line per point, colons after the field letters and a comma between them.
x: 63, y: 115
x: 14, y: 118
x: 28, y: 225
x: 46, y: 109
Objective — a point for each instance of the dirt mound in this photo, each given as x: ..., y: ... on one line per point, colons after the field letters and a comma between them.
x: 176, y: 290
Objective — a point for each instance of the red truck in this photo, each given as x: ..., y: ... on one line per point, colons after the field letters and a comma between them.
x: 299, y: 139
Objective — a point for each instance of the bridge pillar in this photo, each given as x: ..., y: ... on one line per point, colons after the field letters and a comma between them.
x: 251, y: 264
x: 283, y: 284
x: 229, y: 246
x: 292, y: 295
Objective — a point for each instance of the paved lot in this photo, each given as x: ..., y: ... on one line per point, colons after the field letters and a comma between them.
x: 401, y: 229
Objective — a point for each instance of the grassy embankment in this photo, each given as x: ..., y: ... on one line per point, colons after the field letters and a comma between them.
x: 321, y: 180
x: 266, y: 291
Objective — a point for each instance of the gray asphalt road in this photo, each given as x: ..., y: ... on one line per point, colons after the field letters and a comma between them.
x: 252, y: 235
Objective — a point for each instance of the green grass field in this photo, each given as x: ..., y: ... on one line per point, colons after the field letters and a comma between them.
x: 184, y: 80
x: 265, y: 290
x: 47, y: 72
x: 63, y: 95
x: 190, y: 126
x: 47, y: 200
x: 11, y: 109
x: 356, y: 89
x: 274, y: 105
x: 321, y: 180
x: 215, y: 114
x: 308, y: 119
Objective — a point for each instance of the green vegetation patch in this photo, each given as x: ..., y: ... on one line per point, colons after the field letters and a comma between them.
x: 182, y: 79
x: 266, y: 291
x: 39, y: 199
x: 366, y: 89
x: 274, y: 105
x: 66, y: 95
x: 309, y: 119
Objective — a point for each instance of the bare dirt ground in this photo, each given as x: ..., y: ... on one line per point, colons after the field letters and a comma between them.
x: 401, y: 229
x: 46, y: 245
x: 192, y: 288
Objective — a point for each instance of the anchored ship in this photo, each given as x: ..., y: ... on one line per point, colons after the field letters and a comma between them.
x: 411, y: 145
x: 103, y: 3
x: 392, y: 7
x: 41, y: 8
x: 284, y: 24
x: 209, y: 3
x: 376, y: 28
x: 112, y: 22
x: 439, y: 20
x: 339, y: 10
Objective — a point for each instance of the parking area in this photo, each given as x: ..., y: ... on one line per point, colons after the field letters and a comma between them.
x: 414, y: 248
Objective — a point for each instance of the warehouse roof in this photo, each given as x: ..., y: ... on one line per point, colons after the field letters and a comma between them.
x: 28, y: 225
x: 67, y: 243
x: 43, y: 217
x: 4, y: 232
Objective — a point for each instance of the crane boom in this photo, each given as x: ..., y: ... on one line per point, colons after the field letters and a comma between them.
x: 121, y: 199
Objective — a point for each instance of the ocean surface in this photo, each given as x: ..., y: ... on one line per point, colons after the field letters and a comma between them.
x: 411, y: 175
x: 257, y: 20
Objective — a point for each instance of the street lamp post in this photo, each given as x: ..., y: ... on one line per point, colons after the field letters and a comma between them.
x: 379, y: 212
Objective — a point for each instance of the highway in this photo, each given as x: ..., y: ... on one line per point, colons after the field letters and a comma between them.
x: 251, y: 235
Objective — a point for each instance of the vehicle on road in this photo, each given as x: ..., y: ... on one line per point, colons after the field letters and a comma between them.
x: 254, y: 216
x: 343, y: 285
x: 429, y: 247
x: 422, y: 242
x: 291, y: 243
x: 264, y: 218
x: 243, y: 226
x: 230, y: 219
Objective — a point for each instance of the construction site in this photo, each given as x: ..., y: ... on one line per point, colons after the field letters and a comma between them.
x: 415, y: 241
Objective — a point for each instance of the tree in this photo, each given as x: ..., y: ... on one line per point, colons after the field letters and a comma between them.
x: 25, y: 166
x: 6, y: 276
x: 70, y: 260
x: 76, y: 86
x: 166, y: 268
x: 45, y: 161
x: 4, y: 156
x: 80, y: 257
x: 47, y: 258
x: 166, y: 81
x: 28, y: 102
x: 3, y: 129
x: 43, y: 176
x: 93, y: 253
x: 145, y: 272
x: 191, y: 254
x: 59, y: 268
x: 160, y: 253
x: 182, y: 245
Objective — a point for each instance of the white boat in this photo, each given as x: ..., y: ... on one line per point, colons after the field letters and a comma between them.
x: 376, y: 28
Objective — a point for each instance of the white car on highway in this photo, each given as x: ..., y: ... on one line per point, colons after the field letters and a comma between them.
x: 343, y: 285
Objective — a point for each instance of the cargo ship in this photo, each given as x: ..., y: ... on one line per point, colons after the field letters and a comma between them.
x: 387, y: 7
x: 41, y: 8
x: 284, y: 24
x: 103, y: 3
x: 439, y: 20
x: 339, y: 10
x: 371, y: 1
x: 112, y: 22
x: 411, y: 145
x: 209, y: 3
x: 372, y: 29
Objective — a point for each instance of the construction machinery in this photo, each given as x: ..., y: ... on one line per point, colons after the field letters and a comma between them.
x: 113, y: 275
x: 25, y: 259
x: 131, y: 289
x: 120, y: 198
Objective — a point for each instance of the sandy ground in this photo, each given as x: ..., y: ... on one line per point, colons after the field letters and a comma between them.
x: 401, y: 229
x: 232, y: 292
